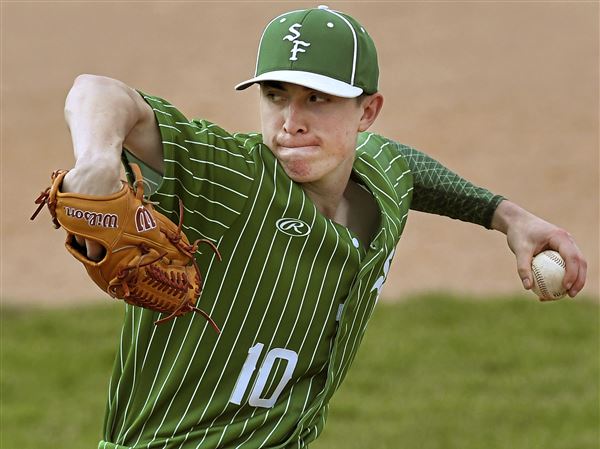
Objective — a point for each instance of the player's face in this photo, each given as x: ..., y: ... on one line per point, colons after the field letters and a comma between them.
x: 312, y: 134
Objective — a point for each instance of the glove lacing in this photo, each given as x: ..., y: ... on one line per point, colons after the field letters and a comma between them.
x: 157, y: 278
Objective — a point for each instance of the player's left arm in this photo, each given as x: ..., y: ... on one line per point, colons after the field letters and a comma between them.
x: 440, y: 191
x: 528, y: 235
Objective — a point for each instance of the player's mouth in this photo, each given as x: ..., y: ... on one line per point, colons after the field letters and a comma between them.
x: 297, y: 148
x: 290, y: 146
x: 296, y: 141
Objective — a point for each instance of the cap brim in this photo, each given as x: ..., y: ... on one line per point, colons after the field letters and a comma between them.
x: 307, y: 79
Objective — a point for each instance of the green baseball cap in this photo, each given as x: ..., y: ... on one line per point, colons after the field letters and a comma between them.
x: 318, y: 48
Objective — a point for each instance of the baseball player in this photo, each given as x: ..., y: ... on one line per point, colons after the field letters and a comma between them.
x: 305, y: 217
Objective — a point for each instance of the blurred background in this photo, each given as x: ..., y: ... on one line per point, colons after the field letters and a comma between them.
x: 504, y: 93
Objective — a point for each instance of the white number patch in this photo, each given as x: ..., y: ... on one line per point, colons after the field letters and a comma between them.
x: 255, y: 399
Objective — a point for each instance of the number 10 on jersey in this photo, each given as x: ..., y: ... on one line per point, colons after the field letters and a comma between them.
x: 256, y: 399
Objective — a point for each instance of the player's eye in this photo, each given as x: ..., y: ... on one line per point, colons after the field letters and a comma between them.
x: 317, y: 98
x: 273, y: 94
x: 274, y: 97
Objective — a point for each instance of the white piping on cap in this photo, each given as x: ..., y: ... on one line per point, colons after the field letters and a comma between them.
x: 355, y: 42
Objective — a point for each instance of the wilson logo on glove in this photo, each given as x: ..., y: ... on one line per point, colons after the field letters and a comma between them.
x: 144, y: 221
x: 93, y: 218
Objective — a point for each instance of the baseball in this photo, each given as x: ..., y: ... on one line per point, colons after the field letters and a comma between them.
x: 548, y: 272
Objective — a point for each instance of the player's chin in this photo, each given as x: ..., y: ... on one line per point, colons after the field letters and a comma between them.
x: 299, y: 172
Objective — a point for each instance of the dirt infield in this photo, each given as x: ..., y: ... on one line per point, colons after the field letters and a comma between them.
x: 504, y: 93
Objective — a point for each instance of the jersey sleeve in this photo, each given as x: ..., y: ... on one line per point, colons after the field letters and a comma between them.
x: 438, y: 190
x: 204, y: 166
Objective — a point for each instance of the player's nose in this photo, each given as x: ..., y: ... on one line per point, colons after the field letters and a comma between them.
x: 295, y: 121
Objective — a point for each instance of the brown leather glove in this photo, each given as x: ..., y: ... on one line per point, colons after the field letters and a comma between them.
x: 148, y: 262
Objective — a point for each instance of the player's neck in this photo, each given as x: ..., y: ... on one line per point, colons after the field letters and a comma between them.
x: 326, y: 200
x: 349, y: 205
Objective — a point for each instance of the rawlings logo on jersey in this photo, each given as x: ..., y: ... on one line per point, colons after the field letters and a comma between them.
x: 293, y: 38
x: 93, y: 218
x: 144, y: 221
x: 293, y: 227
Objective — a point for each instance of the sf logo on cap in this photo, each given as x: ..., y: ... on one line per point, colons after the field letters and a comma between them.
x: 294, y: 39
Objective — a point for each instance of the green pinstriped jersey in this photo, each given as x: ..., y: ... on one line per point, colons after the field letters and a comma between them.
x: 293, y: 293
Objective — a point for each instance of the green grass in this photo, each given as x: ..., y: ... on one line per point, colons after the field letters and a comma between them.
x: 55, y: 369
x: 440, y: 374
x: 432, y: 373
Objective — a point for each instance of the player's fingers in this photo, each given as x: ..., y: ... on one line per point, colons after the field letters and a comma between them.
x: 575, y: 266
x: 572, y: 264
x: 95, y: 251
x: 524, y: 268
x: 575, y: 286
x: 80, y: 241
x: 563, y: 242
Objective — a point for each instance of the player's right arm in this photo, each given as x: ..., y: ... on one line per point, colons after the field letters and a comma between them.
x: 105, y: 115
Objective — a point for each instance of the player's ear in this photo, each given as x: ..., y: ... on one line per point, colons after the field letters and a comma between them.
x: 371, y: 107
